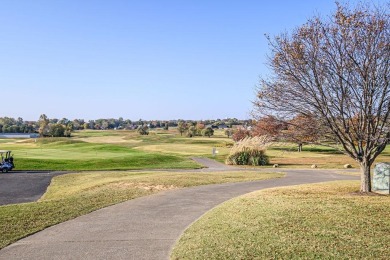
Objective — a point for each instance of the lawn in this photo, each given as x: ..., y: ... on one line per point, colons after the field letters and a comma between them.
x: 76, y: 194
x: 286, y: 155
x: 161, y: 149
x: 76, y: 154
x: 324, y: 157
x: 111, y: 150
x: 318, y: 221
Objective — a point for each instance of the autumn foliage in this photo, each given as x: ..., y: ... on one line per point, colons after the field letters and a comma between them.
x: 269, y: 125
x: 303, y: 129
x: 240, y: 134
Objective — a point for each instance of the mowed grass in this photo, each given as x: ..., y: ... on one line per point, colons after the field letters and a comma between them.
x: 161, y: 149
x: 286, y: 155
x: 72, y: 154
x: 112, y: 150
x: 76, y: 194
x: 318, y: 221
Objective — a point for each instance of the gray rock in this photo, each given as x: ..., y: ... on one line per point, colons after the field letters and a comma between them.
x: 381, y: 178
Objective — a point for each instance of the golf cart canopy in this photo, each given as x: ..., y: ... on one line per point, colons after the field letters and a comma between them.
x: 5, y: 152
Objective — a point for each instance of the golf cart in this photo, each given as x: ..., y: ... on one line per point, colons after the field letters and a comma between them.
x: 7, y: 161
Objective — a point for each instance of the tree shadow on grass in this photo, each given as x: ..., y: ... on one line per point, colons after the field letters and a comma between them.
x: 324, y: 150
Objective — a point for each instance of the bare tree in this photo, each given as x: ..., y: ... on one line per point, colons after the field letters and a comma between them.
x: 337, y: 70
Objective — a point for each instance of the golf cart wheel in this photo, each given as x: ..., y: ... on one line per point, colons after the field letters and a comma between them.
x: 4, y: 170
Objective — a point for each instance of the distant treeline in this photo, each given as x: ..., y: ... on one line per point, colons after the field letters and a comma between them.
x: 62, y: 127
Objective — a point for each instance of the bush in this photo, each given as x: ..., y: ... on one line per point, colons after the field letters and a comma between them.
x: 56, y: 130
x: 143, y: 130
x: 208, y: 132
x: 249, y: 151
x: 249, y: 157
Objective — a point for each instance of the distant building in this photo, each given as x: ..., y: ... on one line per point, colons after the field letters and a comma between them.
x: 223, y: 126
x: 19, y: 135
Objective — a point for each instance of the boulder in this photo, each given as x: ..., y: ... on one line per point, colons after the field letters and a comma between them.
x: 314, y: 166
x: 275, y: 165
x: 346, y: 166
x: 381, y: 178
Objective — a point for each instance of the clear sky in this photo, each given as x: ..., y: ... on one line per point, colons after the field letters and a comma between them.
x: 144, y: 59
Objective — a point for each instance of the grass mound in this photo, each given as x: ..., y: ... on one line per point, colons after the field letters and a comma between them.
x: 319, y: 221
x: 68, y: 154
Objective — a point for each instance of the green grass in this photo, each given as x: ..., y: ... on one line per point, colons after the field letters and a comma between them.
x: 79, y: 155
x: 112, y: 150
x: 76, y: 194
x: 94, y: 133
x: 109, y: 150
x: 73, y: 154
x: 319, y: 221
x: 134, y: 162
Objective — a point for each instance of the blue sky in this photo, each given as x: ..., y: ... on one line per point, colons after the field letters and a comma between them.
x: 139, y: 59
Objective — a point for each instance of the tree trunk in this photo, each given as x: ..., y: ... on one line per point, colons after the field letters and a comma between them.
x: 299, y: 147
x: 365, y: 177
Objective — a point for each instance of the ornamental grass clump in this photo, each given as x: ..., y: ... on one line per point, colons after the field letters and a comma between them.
x: 249, y: 151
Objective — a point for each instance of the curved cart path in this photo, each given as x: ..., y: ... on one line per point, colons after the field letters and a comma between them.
x: 143, y: 228
x: 212, y: 165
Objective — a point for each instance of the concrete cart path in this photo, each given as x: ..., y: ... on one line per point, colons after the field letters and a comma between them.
x: 212, y: 165
x: 143, y: 228
x: 24, y: 186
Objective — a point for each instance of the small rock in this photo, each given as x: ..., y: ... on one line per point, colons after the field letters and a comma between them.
x: 314, y: 166
x: 275, y: 165
x: 346, y: 166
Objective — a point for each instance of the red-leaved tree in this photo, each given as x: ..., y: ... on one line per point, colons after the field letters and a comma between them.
x: 269, y: 125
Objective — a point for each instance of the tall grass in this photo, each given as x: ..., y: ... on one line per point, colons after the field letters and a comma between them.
x: 249, y: 151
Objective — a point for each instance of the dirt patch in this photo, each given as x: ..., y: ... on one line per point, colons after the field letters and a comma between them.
x: 141, y: 185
